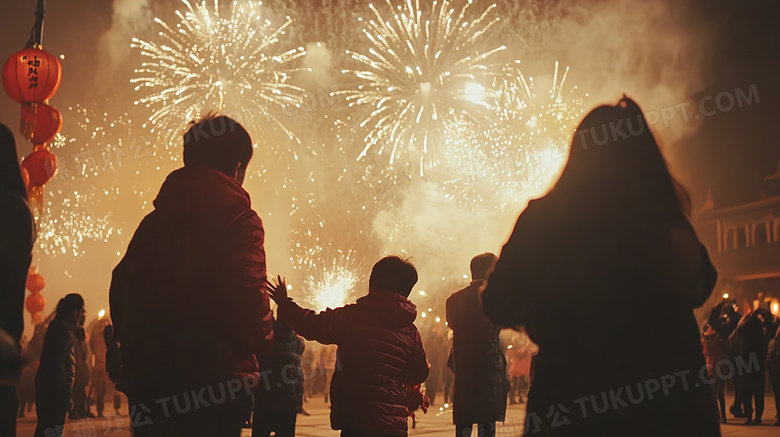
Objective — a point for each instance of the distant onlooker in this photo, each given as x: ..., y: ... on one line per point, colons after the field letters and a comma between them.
x: 481, y: 384
x: 328, y: 362
x: 519, y: 371
x: 54, y: 380
x: 80, y: 408
x: 773, y: 366
x: 716, y: 350
x: 752, y: 346
x: 100, y: 381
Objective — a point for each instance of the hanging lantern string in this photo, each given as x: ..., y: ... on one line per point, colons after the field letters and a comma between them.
x: 36, y: 33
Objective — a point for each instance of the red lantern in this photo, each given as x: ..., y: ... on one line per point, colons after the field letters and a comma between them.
x: 31, y: 75
x: 35, y: 303
x: 40, y: 122
x: 41, y: 164
x: 37, y: 319
x: 25, y: 177
x: 35, y: 282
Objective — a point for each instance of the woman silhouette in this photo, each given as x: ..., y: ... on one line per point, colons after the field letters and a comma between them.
x: 604, y: 272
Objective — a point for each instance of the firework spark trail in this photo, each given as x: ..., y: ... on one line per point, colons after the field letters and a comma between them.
x: 208, y: 61
x: 524, y: 147
x: 413, y: 75
x: 71, y: 220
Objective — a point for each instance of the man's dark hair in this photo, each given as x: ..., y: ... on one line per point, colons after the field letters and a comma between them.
x: 480, y: 265
x: 392, y: 273
x: 69, y: 304
x: 218, y: 142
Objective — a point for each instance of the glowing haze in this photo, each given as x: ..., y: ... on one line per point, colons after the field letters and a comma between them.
x: 435, y: 86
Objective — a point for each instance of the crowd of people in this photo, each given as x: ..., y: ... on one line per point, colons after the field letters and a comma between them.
x: 728, y: 339
x: 194, y: 344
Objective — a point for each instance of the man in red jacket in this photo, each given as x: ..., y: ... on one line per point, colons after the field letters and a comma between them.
x: 187, y: 301
x: 379, y: 350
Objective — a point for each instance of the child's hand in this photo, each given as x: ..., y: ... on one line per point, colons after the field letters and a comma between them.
x: 277, y: 289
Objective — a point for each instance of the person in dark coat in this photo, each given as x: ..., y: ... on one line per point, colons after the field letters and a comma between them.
x: 380, y: 352
x: 481, y: 385
x: 279, y: 396
x: 716, y: 350
x: 188, y: 304
x: 604, y: 273
x: 16, y: 241
x: 752, y: 347
x: 54, y: 379
x: 436, y: 350
x: 724, y: 319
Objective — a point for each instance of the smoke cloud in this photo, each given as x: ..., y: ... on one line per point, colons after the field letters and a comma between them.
x: 129, y: 17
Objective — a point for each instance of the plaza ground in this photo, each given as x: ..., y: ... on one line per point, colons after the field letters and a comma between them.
x: 436, y: 423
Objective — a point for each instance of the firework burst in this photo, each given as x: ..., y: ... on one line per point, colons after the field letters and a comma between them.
x: 413, y: 76
x: 331, y: 282
x: 524, y: 147
x: 213, y: 62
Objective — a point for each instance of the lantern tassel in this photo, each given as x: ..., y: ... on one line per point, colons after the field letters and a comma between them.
x: 35, y: 197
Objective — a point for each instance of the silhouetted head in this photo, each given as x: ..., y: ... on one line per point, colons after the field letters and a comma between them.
x: 392, y: 273
x: 481, y: 265
x: 615, y: 157
x: 71, y: 308
x: 10, y: 172
x: 218, y: 142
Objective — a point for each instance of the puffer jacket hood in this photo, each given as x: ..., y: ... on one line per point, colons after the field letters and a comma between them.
x: 390, y: 309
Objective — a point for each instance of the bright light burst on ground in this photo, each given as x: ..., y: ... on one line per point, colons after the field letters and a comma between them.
x: 215, y: 61
x: 413, y: 77
x: 331, y: 284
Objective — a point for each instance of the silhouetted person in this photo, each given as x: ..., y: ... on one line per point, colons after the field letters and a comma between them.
x: 716, y: 350
x: 80, y: 408
x: 519, y: 362
x: 481, y: 384
x: 773, y: 367
x: 448, y: 378
x: 380, y: 351
x: 328, y: 360
x: 279, y: 396
x: 54, y: 380
x: 436, y: 350
x: 724, y: 319
x: 604, y: 272
x: 752, y: 348
x: 100, y: 381
x: 16, y: 241
x: 188, y: 305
